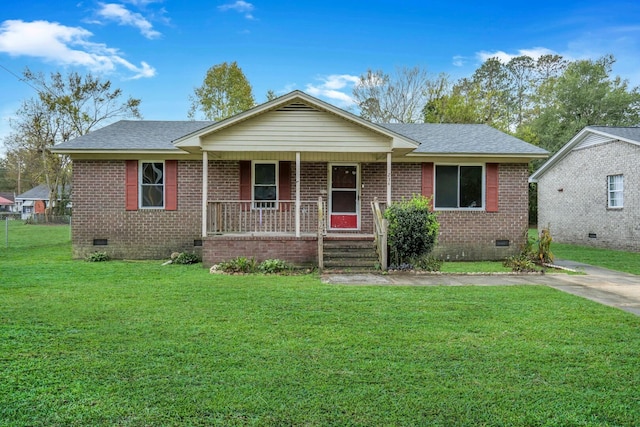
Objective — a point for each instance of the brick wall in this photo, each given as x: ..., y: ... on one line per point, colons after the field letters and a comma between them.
x: 98, y: 197
x: 472, y: 235
x: 301, y: 252
x: 572, y: 197
x: 99, y: 213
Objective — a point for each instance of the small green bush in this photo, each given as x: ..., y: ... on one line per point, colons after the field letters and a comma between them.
x: 521, y: 263
x: 273, y: 266
x: 97, y: 257
x: 428, y: 263
x: 238, y: 265
x: 186, y: 258
x: 413, y: 229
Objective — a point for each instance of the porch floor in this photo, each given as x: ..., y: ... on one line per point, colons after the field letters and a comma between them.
x: 328, y: 236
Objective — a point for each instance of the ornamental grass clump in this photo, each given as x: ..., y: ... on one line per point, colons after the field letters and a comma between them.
x: 533, y: 253
x: 413, y: 230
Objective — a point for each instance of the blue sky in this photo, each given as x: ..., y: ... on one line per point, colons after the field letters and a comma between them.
x: 160, y: 50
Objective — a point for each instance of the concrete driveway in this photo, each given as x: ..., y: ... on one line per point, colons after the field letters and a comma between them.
x: 612, y: 288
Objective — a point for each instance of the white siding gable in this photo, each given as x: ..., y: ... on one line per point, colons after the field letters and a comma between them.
x: 591, y: 140
x: 297, y: 127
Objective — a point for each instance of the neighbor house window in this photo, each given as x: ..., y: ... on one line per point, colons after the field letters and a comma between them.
x: 152, y: 184
x: 459, y: 187
x: 265, y: 184
x: 616, y: 186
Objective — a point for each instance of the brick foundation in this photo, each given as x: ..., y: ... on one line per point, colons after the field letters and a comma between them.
x: 299, y: 251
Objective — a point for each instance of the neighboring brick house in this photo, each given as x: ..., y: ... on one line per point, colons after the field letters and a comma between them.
x: 589, y: 192
x: 285, y: 175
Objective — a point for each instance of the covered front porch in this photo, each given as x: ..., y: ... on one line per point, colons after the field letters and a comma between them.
x: 291, y: 171
x: 337, y: 223
x: 310, y: 195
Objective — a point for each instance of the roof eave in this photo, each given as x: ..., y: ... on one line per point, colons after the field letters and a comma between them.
x: 560, y: 154
x: 532, y: 156
x: 71, y: 151
x: 612, y: 136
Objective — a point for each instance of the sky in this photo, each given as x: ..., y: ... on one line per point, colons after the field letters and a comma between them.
x: 160, y: 50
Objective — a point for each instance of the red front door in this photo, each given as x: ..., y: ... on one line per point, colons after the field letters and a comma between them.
x: 344, y: 197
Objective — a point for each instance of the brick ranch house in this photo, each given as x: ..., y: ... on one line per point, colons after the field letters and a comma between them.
x: 589, y: 191
x: 286, y: 178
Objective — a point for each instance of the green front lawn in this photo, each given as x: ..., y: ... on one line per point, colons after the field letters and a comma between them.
x: 628, y: 262
x: 137, y: 344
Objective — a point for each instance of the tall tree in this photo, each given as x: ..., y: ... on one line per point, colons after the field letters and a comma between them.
x: 460, y: 105
x: 383, y: 98
x: 271, y: 95
x: 6, y: 183
x: 225, y: 92
x: 521, y: 71
x: 550, y: 66
x: 66, y: 107
x: 492, y: 82
x: 585, y: 94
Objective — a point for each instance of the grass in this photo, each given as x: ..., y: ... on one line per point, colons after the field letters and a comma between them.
x: 137, y: 343
x: 625, y: 261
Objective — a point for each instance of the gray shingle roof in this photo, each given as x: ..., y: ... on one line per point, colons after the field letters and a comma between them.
x: 135, y: 135
x: 631, y: 133
x: 433, y: 138
x: 437, y: 138
x: 40, y: 192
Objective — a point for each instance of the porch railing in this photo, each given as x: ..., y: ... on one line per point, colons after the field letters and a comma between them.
x: 251, y: 216
x: 381, y: 226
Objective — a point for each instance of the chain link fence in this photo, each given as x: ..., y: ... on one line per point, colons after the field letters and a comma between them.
x: 48, y: 219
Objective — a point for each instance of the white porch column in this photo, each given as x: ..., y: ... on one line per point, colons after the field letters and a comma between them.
x: 205, y: 190
x: 297, y: 194
x: 388, y: 179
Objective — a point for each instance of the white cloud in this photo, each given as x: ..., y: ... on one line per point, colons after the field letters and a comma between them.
x: 239, y: 6
x: 123, y: 16
x: 504, y: 57
x: 459, y: 61
x: 142, y: 3
x: 333, y: 89
x: 59, y: 44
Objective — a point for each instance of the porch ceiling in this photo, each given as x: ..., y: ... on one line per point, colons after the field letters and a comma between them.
x: 304, y: 156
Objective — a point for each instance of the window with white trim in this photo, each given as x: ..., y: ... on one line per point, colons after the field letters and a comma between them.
x: 459, y: 187
x: 615, y: 192
x: 152, y: 184
x: 265, y: 185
